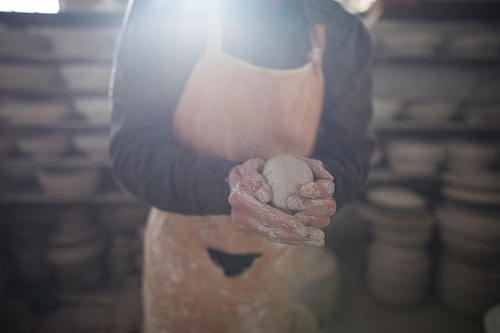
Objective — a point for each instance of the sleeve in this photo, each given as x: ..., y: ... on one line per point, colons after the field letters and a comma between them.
x: 148, y: 80
x: 344, y: 143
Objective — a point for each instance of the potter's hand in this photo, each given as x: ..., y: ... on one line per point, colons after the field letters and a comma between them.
x: 315, y: 204
x: 248, y: 198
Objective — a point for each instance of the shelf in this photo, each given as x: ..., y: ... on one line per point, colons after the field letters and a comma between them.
x: 52, y: 92
x: 55, y: 59
x: 381, y: 55
x: 41, y: 198
x: 66, y: 125
x: 62, y: 19
x: 386, y: 176
x: 442, y: 127
x: 441, y: 10
x: 66, y: 162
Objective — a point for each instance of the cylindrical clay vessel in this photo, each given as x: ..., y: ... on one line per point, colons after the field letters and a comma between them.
x: 286, y: 175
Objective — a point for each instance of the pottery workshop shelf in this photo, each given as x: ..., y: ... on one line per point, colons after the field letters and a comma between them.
x: 441, y: 10
x: 40, y: 198
x: 460, y: 127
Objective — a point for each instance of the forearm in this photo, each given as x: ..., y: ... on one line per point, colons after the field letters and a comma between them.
x: 169, y: 177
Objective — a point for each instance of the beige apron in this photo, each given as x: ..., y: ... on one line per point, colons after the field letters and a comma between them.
x: 234, y: 110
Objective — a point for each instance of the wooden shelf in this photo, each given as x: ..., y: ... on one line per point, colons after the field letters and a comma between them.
x: 52, y: 92
x: 66, y: 162
x: 73, y: 124
x: 452, y: 10
x: 405, y: 125
x: 383, y: 56
x: 55, y: 59
x: 42, y: 198
x: 62, y: 19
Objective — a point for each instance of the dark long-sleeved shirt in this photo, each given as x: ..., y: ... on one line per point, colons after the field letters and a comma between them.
x: 161, y: 42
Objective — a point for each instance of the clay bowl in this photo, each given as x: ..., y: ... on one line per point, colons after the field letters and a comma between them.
x: 467, y: 288
x: 18, y: 112
x: 397, y: 276
x: 396, y: 198
x: 468, y: 152
x: 416, y: 151
x: 95, y: 110
x: 432, y: 111
x: 69, y: 184
x: 95, y: 146
x: 387, y: 109
x: 43, y: 146
x: 86, y: 76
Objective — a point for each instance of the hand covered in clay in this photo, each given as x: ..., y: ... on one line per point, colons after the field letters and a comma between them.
x: 249, y: 195
x: 315, y: 204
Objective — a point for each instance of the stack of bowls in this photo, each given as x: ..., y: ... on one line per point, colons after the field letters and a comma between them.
x: 469, y: 222
x: 69, y: 184
x: 397, y: 276
x: 438, y: 111
x: 22, y: 112
x: 491, y: 320
x: 386, y: 109
x: 95, y: 146
x: 469, y: 235
x: 471, y: 156
x: 411, y: 43
x: 96, y: 110
x: 475, y: 188
x: 86, y: 76
x: 43, y: 146
x: 483, y: 114
x: 398, y: 266
x: 76, y: 252
x: 467, y: 288
x: 415, y: 158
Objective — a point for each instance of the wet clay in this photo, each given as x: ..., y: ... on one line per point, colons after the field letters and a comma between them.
x: 286, y: 175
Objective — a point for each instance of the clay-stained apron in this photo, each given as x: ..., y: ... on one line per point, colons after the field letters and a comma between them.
x: 234, y: 110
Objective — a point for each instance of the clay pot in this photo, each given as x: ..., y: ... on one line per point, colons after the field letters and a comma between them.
x: 396, y: 198
x: 386, y: 109
x: 397, y: 276
x: 399, y: 232
x: 85, y: 76
x: 475, y: 153
x: 416, y: 151
x: 467, y: 288
x: 44, y: 146
x: 491, y: 320
x: 95, y: 110
x: 69, y: 184
x: 95, y: 146
x: 432, y: 111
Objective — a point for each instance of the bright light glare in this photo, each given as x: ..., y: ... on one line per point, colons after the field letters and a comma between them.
x: 30, y: 6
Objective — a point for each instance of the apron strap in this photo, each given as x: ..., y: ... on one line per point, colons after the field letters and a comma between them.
x: 317, y: 36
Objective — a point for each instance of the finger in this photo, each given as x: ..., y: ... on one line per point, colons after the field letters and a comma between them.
x: 319, y: 189
x: 307, y: 243
x: 317, y: 168
x: 255, y: 183
x: 322, y: 207
x: 275, y: 234
x: 257, y: 186
x: 265, y: 214
x: 313, y: 220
